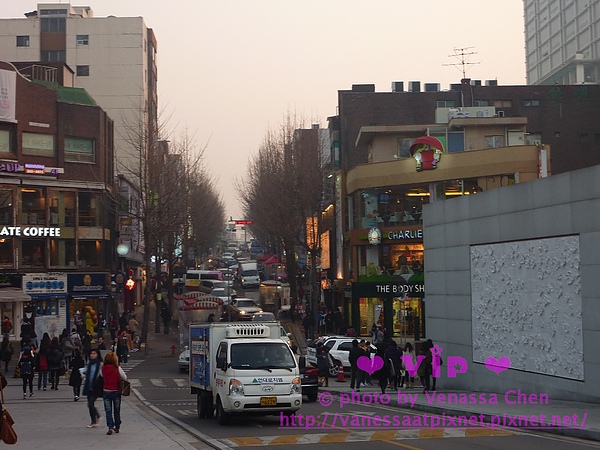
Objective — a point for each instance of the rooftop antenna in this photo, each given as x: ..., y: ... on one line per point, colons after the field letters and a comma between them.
x: 462, y: 54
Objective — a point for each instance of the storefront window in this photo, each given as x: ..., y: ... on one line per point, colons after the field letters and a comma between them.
x: 62, y: 208
x: 404, y: 260
x: 62, y: 252
x: 46, y: 307
x: 6, y: 207
x: 90, y: 253
x: 32, y: 252
x: 6, y: 252
x: 407, y: 316
x: 33, y: 207
x: 371, y: 312
x: 89, y: 210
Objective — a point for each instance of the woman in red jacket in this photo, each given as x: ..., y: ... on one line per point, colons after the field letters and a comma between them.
x: 112, y: 373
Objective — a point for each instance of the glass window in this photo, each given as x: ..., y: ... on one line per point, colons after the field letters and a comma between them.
x: 79, y: 149
x: 481, y: 103
x: 63, y: 252
x: 53, y: 24
x: 22, y: 41
x: 83, y: 39
x: 493, y: 141
x: 38, y: 144
x: 46, y: 307
x: 33, y: 207
x: 83, y: 71
x: 33, y: 253
x: 62, y: 208
x: 6, y: 207
x: 89, y: 207
x: 446, y: 103
x: 530, y: 103
x: 5, y: 141
x: 6, y: 252
x: 90, y: 253
x: 53, y: 56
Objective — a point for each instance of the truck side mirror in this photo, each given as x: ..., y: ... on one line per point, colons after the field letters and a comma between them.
x: 302, y: 363
x: 222, y: 364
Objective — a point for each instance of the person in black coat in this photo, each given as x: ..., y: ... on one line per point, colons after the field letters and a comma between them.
x: 75, y: 377
x: 383, y: 374
x: 356, y: 375
x: 55, y: 361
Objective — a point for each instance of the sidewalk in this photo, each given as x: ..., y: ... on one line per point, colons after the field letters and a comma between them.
x: 52, y: 420
x: 581, y: 420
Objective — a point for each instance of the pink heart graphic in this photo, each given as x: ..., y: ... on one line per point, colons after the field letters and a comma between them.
x: 496, y: 365
x: 370, y: 365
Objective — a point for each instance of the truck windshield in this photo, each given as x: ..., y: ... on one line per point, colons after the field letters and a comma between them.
x: 256, y: 355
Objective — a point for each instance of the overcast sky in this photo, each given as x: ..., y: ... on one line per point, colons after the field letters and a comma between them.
x: 228, y: 70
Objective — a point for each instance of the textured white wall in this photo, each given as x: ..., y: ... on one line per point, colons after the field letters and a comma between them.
x: 526, y: 304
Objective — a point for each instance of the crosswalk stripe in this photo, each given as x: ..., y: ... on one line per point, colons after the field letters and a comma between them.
x: 158, y: 382
x: 135, y: 382
x: 181, y: 382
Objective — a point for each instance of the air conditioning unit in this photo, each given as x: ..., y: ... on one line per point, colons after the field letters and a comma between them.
x: 463, y: 114
x: 500, y: 113
x: 483, y: 113
x: 452, y: 112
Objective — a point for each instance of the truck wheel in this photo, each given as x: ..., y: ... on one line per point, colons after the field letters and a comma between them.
x: 200, y: 406
x: 222, y: 416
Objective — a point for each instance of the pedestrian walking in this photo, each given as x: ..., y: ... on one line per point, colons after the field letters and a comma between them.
x: 409, y: 353
x: 7, y: 352
x: 92, y: 387
x: 112, y: 374
x: 424, y: 370
x: 166, y: 317
x: 86, y: 344
x: 323, y: 364
x: 41, y: 363
x: 55, y: 363
x: 26, y: 368
x: 383, y: 374
x: 126, y: 344
x: 356, y: 374
x: 6, y: 326
x: 75, y: 377
x: 133, y: 327
x: 113, y: 327
x: 395, y: 356
x: 101, y: 324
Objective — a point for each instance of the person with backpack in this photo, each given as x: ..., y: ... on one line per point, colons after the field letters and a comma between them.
x: 26, y: 368
x: 41, y: 364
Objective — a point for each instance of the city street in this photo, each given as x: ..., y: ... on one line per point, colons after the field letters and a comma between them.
x: 333, y: 422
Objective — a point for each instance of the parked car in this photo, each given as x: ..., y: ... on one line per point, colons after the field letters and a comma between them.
x: 339, y: 348
x: 183, y: 362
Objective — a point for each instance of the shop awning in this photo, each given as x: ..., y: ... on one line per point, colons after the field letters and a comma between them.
x: 13, y: 295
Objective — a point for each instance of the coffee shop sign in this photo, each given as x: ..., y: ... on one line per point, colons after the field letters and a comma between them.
x: 406, y: 234
x: 30, y: 231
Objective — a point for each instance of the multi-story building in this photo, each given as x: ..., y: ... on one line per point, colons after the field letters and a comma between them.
x: 57, y: 209
x: 492, y: 136
x: 562, y: 41
x: 113, y: 59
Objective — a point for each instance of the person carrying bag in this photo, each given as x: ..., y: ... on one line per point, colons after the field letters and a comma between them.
x: 7, y: 432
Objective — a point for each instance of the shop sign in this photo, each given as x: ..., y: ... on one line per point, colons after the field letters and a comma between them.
x: 30, y: 231
x: 92, y: 283
x: 44, y: 283
x: 406, y: 234
x: 35, y: 169
x: 388, y: 289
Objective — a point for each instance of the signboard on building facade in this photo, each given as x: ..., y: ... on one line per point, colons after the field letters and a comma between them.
x: 388, y: 289
x: 45, y: 283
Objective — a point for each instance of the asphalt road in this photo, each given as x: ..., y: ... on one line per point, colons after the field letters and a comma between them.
x: 332, y: 423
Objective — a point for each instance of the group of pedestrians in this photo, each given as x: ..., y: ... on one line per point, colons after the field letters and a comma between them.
x: 394, y: 373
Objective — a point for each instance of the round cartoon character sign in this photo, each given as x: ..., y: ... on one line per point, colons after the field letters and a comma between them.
x: 427, y: 151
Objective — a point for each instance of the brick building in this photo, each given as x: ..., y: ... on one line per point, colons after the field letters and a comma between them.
x: 56, y: 202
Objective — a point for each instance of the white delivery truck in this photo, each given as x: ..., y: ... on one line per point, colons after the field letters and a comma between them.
x: 242, y: 368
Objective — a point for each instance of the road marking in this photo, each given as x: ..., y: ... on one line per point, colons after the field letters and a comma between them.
x: 135, y: 382
x: 389, y: 436
x: 182, y: 382
x: 158, y: 382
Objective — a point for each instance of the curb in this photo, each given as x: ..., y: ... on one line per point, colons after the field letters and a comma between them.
x: 201, y: 436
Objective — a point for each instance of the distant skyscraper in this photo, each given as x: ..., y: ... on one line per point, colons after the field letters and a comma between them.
x: 562, y: 39
x: 113, y: 59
